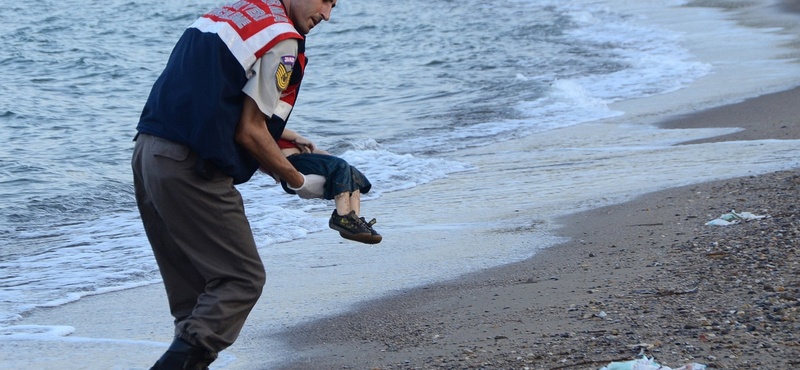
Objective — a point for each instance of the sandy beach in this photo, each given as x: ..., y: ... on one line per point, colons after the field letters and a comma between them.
x: 632, y: 271
x: 646, y: 277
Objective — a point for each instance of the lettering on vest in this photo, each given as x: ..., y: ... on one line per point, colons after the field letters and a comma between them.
x: 251, y: 10
x: 242, y: 13
x: 239, y: 19
x: 277, y: 9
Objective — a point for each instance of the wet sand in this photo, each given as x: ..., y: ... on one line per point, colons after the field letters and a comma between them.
x: 643, y: 275
x: 646, y: 277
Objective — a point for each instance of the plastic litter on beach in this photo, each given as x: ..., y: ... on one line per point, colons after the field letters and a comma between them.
x: 734, y: 218
x: 645, y: 363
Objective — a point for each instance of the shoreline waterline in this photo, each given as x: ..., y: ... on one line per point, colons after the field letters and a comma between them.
x: 461, y: 198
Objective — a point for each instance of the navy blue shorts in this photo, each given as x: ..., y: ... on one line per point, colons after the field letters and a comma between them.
x: 340, y: 176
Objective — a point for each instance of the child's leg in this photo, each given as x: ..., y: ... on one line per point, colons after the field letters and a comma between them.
x: 348, y: 202
x: 355, y: 202
x: 342, y: 201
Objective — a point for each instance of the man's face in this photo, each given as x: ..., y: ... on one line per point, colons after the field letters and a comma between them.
x: 305, y: 14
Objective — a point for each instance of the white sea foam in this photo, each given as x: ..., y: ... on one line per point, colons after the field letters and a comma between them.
x: 587, y: 60
x: 111, y: 253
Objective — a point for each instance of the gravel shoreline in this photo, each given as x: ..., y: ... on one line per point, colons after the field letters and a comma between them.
x: 646, y: 277
x: 652, y: 279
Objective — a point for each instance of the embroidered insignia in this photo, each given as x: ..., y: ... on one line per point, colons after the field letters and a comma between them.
x: 284, y: 72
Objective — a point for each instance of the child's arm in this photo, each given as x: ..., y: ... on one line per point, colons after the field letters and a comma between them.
x: 305, y: 145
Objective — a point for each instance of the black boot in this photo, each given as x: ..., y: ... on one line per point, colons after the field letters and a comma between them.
x: 182, y: 355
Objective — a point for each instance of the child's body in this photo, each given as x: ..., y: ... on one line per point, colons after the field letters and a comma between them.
x: 343, y: 183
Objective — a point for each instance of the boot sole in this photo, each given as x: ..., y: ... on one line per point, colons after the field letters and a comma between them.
x: 363, y: 238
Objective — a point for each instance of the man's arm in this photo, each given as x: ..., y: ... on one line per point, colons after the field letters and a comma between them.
x: 252, y: 134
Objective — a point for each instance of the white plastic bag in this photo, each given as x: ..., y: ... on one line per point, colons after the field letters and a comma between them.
x: 733, y: 218
x: 645, y: 363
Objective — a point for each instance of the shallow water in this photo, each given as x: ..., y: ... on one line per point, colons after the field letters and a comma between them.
x: 409, y: 94
x: 388, y: 87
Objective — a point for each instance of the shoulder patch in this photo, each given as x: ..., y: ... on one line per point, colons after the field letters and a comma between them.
x: 284, y: 72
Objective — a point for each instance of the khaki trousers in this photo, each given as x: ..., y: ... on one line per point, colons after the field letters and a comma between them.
x: 201, y: 240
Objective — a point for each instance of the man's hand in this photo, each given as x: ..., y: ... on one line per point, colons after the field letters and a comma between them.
x: 313, y: 187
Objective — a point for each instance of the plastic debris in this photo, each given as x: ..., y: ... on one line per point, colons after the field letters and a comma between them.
x: 734, y: 218
x: 645, y: 363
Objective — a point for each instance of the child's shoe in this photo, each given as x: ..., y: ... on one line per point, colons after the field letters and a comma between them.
x: 354, y: 228
x: 375, y: 236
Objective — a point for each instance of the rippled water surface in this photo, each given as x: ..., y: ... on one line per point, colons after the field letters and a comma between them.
x: 391, y: 86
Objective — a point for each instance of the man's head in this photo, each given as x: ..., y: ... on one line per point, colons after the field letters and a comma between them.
x: 305, y: 14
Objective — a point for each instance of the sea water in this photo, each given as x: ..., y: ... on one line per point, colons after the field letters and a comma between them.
x: 400, y: 90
